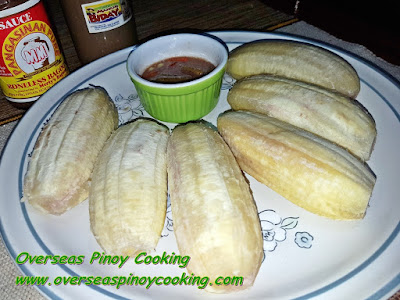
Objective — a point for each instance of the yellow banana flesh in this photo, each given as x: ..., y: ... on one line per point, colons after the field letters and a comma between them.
x: 330, y: 115
x: 215, y: 217
x: 311, y: 172
x: 128, y: 194
x: 295, y: 60
x: 65, y: 153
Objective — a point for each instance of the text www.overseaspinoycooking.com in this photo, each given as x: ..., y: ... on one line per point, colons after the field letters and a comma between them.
x: 118, y: 281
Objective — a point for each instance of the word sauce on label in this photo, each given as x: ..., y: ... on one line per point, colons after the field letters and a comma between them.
x: 31, y: 61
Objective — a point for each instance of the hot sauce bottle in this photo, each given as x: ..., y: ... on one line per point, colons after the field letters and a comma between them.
x: 31, y: 61
x: 100, y: 27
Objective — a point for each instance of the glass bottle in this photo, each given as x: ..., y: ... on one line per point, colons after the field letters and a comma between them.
x: 99, y: 28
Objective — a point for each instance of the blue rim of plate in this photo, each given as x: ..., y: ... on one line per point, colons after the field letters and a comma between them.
x: 392, y: 284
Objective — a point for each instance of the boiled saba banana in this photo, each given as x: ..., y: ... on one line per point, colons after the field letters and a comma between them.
x: 330, y: 115
x: 296, y: 60
x: 311, y: 172
x: 128, y: 194
x: 64, y: 155
x: 215, y: 217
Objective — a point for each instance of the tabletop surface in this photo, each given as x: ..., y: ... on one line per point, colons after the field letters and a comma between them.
x: 155, y: 18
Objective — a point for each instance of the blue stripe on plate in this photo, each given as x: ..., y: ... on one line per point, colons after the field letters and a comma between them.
x: 387, y: 288
x: 45, y: 290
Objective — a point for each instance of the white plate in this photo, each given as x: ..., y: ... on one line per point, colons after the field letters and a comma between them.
x: 305, y: 255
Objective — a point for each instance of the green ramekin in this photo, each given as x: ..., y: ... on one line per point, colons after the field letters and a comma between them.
x: 181, y: 102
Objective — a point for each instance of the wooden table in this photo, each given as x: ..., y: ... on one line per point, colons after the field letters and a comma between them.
x: 160, y: 17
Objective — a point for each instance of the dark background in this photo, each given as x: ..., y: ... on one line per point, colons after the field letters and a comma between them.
x: 374, y: 24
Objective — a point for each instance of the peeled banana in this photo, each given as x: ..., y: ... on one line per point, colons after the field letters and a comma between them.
x: 330, y: 115
x: 128, y: 194
x: 296, y: 60
x: 310, y: 171
x: 215, y: 217
x: 66, y: 150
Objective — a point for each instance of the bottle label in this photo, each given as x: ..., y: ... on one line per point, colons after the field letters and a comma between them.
x: 106, y: 15
x: 30, y: 61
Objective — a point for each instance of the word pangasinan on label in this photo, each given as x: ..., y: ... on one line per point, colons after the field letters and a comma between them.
x: 31, y: 61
